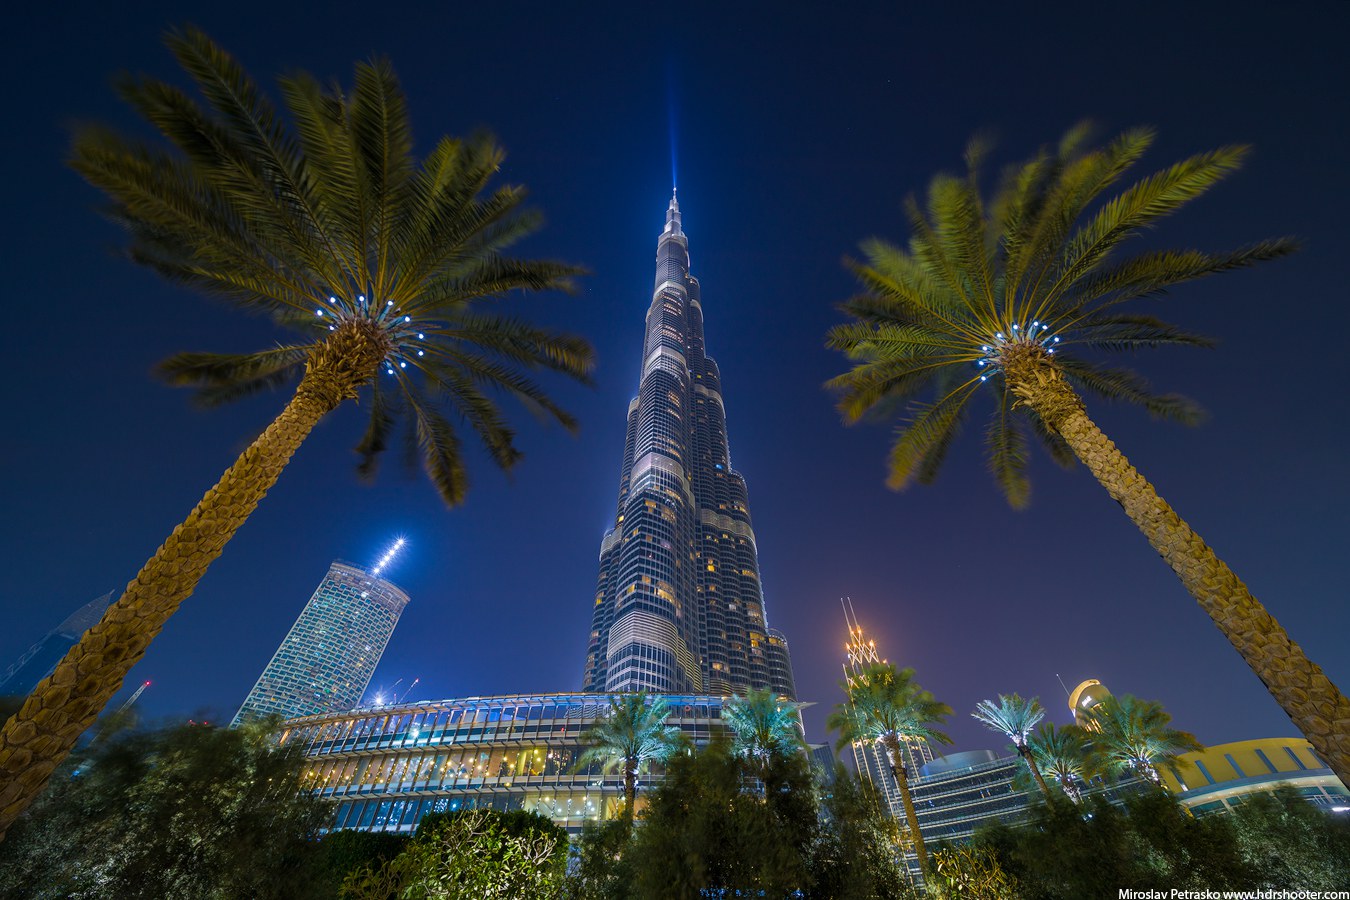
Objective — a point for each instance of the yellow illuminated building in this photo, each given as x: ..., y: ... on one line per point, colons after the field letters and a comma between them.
x: 1223, y: 776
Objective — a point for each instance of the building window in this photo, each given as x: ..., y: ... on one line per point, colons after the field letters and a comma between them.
x: 1205, y: 772
x: 1298, y: 762
x: 1261, y: 755
x: 1236, y: 768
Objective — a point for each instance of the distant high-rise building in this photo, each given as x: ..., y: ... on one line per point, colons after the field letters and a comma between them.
x: 679, y: 607
x: 326, y: 661
x: 38, y: 661
x: 870, y: 758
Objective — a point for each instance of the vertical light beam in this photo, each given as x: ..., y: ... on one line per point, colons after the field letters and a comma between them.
x: 388, y: 556
x: 670, y: 105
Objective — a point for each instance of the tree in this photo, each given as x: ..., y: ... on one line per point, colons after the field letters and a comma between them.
x: 194, y: 811
x: 1133, y: 735
x: 764, y: 728
x: 885, y: 706
x: 1063, y: 754
x: 704, y: 834
x: 1014, y: 717
x: 380, y: 265
x: 632, y: 735
x: 1288, y: 841
x: 1068, y: 852
x: 479, y: 853
x: 994, y: 296
x: 857, y: 852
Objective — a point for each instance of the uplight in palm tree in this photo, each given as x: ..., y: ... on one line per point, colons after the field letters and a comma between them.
x: 1034, y: 335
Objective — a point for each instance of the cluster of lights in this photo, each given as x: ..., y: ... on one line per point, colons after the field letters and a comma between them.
x: 402, y: 335
x: 388, y: 556
x: 1035, y: 334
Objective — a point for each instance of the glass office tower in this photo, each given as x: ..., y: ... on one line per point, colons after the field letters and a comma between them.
x: 326, y: 661
x: 38, y: 661
x: 679, y: 607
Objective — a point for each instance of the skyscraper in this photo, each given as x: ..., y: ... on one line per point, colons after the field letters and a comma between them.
x: 38, y: 661
x: 870, y: 758
x: 327, y: 659
x: 679, y: 607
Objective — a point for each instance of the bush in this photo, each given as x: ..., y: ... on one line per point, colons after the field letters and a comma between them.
x: 479, y: 853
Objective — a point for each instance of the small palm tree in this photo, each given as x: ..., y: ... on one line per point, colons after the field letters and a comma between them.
x: 383, y: 267
x: 885, y: 706
x: 632, y: 735
x: 1133, y: 735
x: 1014, y: 717
x: 764, y: 728
x: 1063, y: 754
x: 994, y: 299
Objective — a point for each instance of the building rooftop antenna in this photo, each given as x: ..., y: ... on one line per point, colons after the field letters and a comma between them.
x: 1067, y: 692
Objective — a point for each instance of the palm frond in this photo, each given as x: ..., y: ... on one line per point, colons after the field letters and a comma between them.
x: 222, y: 377
x: 1130, y: 387
x: 1006, y: 451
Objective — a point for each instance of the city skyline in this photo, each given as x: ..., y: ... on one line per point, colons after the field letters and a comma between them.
x: 678, y: 603
x: 798, y: 139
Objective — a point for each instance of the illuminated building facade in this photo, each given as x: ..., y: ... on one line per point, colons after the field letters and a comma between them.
x: 327, y: 659
x: 1219, y: 778
x: 870, y: 758
x: 679, y: 607
x: 387, y: 767
x: 1087, y: 695
x: 955, y: 795
x: 38, y: 661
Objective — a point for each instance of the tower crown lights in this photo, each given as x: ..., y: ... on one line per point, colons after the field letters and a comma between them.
x: 388, y: 556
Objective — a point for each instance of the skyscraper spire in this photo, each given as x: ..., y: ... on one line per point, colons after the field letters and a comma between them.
x: 678, y: 603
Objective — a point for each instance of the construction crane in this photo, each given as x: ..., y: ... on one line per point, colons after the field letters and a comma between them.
x: 117, y: 716
x: 132, y: 699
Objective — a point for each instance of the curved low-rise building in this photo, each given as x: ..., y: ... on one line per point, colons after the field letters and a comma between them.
x: 386, y: 767
x: 1221, y: 777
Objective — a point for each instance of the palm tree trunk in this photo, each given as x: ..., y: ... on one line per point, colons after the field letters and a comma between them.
x: 1035, y: 770
x: 911, y: 816
x: 63, y: 705
x: 629, y: 790
x: 1306, y: 694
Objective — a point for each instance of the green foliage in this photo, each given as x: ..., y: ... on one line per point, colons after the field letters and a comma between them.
x: 1133, y: 735
x: 631, y: 736
x: 1043, y: 247
x: 479, y: 853
x: 341, y: 853
x: 884, y: 703
x: 1062, y: 754
x: 604, y: 867
x: 277, y: 210
x: 1012, y: 716
x: 856, y: 850
x: 189, y: 812
x: 704, y: 831
x: 1288, y: 842
x: 764, y: 727
x: 970, y: 873
x: 1093, y: 850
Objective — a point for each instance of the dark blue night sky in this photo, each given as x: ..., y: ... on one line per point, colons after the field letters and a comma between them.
x: 800, y: 130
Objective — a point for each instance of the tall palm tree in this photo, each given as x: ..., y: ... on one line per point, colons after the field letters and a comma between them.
x: 632, y: 735
x: 994, y: 297
x: 382, y: 266
x: 1132, y: 735
x: 883, y: 705
x: 1015, y: 718
x: 764, y: 727
x: 1063, y: 754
